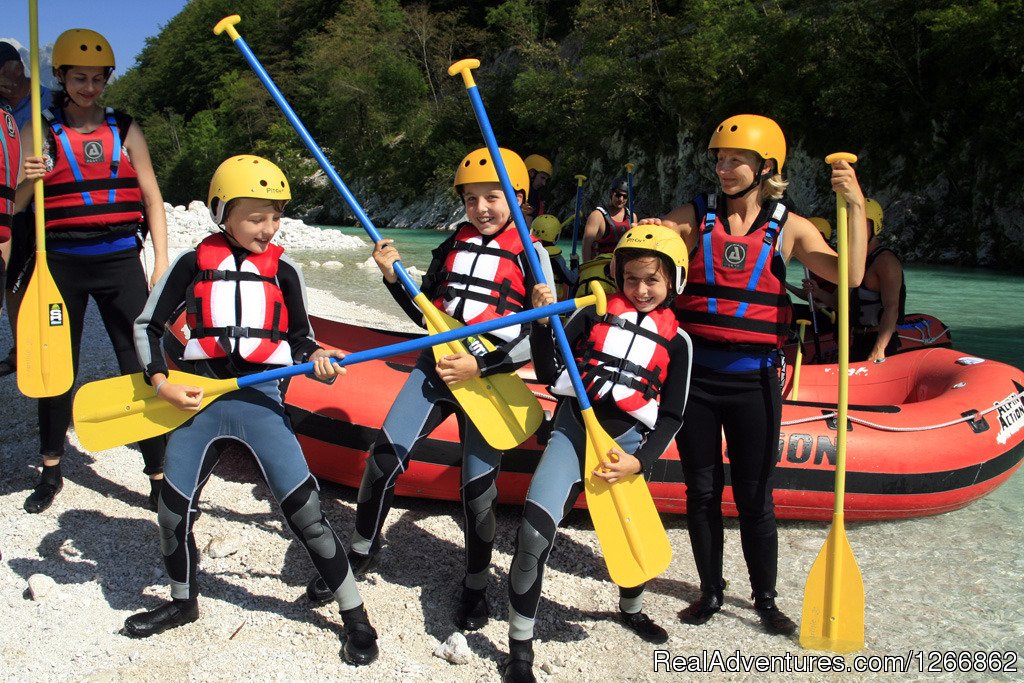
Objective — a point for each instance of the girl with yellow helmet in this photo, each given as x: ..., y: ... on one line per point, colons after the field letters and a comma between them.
x: 479, y: 273
x: 101, y: 198
x: 635, y: 364
x: 245, y: 306
x: 738, y: 314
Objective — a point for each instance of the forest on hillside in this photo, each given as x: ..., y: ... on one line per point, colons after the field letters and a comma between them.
x: 928, y: 93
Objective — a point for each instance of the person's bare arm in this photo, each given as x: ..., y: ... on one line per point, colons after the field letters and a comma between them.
x: 890, y: 279
x: 591, y: 233
x: 152, y: 200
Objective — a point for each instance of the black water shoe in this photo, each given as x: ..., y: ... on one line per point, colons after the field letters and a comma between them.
x: 360, y: 646
x: 317, y: 591
x: 519, y: 666
x: 360, y: 564
x: 50, y: 484
x: 167, y: 616
x: 773, y: 620
x: 699, y: 611
x: 642, y: 625
x: 472, y: 613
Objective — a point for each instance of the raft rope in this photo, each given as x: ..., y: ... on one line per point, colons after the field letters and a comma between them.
x: 889, y: 428
x: 874, y: 425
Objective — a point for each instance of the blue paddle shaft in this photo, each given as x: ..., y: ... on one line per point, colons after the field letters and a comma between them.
x: 311, y: 145
x: 524, y: 235
x: 552, y: 311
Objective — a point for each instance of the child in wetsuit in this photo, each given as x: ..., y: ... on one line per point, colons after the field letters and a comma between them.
x: 635, y: 364
x: 245, y: 308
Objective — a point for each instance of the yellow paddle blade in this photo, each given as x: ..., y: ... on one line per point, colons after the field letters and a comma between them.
x: 501, y: 406
x: 833, y: 614
x: 44, y: 337
x: 121, y: 410
x: 632, y: 537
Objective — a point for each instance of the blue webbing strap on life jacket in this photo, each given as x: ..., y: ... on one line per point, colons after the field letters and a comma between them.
x: 767, y: 247
x: 7, y: 170
x: 65, y: 143
x: 710, y: 216
x: 115, y: 161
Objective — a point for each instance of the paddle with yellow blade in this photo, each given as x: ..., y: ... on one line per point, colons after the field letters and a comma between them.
x: 634, y: 542
x: 113, y: 412
x: 45, y: 367
x: 833, y: 613
x: 500, y: 406
x: 795, y: 393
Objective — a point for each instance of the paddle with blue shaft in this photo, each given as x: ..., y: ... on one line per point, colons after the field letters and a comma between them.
x: 795, y: 393
x: 833, y: 612
x: 500, y: 406
x: 629, y: 192
x: 113, y: 412
x: 44, y: 364
x: 574, y: 260
x: 634, y: 542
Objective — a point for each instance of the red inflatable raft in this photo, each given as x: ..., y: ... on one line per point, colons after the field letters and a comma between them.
x: 929, y: 431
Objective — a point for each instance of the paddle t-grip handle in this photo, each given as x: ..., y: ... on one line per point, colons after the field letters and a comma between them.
x: 464, y: 68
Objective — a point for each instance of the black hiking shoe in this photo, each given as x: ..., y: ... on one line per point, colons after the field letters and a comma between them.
x: 167, y: 616
x: 472, y: 613
x: 773, y: 620
x: 703, y: 608
x: 519, y: 666
x: 642, y: 625
x: 360, y: 646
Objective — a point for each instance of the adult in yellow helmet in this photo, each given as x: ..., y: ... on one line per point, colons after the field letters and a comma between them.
x: 540, y: 170
x: 101, y: 196
x: 878, y: 305
x: 635, y: 365
x: 816, y: 288
x: 736, y: 310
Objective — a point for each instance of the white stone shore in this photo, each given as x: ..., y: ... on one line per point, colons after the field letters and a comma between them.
x: 951, y: 582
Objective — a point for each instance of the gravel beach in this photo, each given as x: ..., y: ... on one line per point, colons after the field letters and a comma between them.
x: 70, y: 576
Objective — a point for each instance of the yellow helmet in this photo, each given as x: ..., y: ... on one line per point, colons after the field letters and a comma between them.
x: 477, y: 168
x: 245, y: 175
x: 662, y: 240
x: 82, y: 47
x: 874, y: 213
x: 823, y: 226
x: 752, y: 132
x: 536, y: 162
x: 546, y: 227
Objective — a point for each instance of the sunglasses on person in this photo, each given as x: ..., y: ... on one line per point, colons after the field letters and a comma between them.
x: 620, y: 195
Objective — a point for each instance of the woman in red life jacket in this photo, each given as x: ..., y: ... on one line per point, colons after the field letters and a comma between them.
x: 635, y: 364
x: 10, y: 159
x: 606, y: 225
x: 245, y: 303
x: 737, y: 313
x: 479, y: 273
x: 100, y: 190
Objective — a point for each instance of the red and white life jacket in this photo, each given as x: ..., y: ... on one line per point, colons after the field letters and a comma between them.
x: 625, y: 357
x: 613, y: 232
x: 482, y: 278
x: 93, y: 183
x: 739, y: 295
x: 10, y: 160
x: 235, y: 308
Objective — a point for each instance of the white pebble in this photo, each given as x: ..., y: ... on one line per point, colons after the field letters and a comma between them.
x: 40, y: 585
x: 454, y: 650
x: 222, y: 546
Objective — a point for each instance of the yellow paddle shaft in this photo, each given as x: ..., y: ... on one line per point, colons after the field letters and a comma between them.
x: 802, y: 324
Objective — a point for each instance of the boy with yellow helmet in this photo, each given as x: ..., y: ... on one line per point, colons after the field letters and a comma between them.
x: 738, y: 314
x: 479, y: 273
x: 540, y: 169
x: 635, y: 364
x: 547, y: 228
x: 244, y: 302
x: 101, y: 198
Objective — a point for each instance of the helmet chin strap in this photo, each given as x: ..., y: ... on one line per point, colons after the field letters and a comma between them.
x: 758, y: 179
